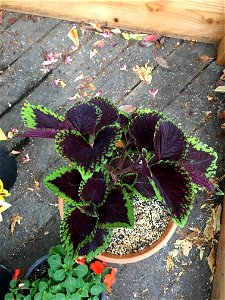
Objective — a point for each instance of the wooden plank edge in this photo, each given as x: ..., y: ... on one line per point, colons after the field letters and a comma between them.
x: 218, y: 290
x: 199, y: 20
x: 220, y: 60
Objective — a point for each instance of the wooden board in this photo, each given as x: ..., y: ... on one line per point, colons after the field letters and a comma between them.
x: 221, y: 53
x: 199, y: 20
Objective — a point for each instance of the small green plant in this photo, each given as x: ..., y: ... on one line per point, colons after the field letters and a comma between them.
x: 66, y: 279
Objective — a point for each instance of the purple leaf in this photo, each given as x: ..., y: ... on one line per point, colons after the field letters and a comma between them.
x: 129, y: 178
x: 73, y: 146
x: 97, y: 241
x: 45, y: 120
x: 40, y: 133
x: 65, y: 182
x: 79, y: 227
x: 93, y: 190
x: 109, y: 112
x: 144, y: 187
x: 175, y: 187
x: 197, y: 176
x: 84, y: 118
x: 169, y: 141
x: 142, y: 128
x: 199, y: 159
x: 115, y: 211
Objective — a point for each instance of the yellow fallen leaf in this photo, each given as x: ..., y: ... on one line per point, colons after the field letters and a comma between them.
x: 169, y: 263
x: 184, y: 245
x: 96, y: 26
x: 73, y: 35
x: 2, y: 135
x: 15, y: 219
x: 144, y: 73
x: 92, y: 86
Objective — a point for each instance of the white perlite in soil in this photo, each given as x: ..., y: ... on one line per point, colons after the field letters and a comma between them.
x: 150, y: 221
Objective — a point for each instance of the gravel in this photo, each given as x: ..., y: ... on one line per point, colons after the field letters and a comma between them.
x: 151, y: 219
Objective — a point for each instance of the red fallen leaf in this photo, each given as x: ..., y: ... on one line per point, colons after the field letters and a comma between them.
x: 162, y: 62
x: 151, y: 38
x: 110, y: 279
x: 11, y: 20
x: 97, y: 267
x: 16, y: 274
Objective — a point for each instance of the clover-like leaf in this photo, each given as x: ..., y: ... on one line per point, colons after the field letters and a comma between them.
x: 77, y: 228
x: 65, y: 182
x: 108, y: 110
x: 36, y: 116
x: 175, y: 187
x: 74, y: 147
x: 117, y: 210
x: 84, y: 118
x: 142, y: 129
x: 169, y: 141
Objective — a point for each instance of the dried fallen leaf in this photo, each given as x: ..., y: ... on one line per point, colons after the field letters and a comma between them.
x: 81, y: 76
x: 162, y: 62
x: 73, y: 35
x: 93, y: 53
x: 220, y: 89
x: 96, y: 26
x: 222, y: 126
x: 222, y: 77
x: 127, y: 108
x: 144, y: 73
x: 116, y: 30
x: 15, y: 219
x: 169, y: 263
x: 201, y: 252
x: 99, y: 43
x: 14, y: 152
x: 184, y: 245
x: 213, y: 223
x: 11, y: 133
x: 212, y: 260
x: 26, y: 158
x: 205, y: 58
x: 92, y: 86
x: 207, y: 115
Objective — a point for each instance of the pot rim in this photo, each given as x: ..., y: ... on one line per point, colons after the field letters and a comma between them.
x: 142, y: 254
x: 36, y: 264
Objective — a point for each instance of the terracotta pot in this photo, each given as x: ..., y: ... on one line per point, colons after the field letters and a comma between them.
x: 137, y: 256
x: 142, y: 254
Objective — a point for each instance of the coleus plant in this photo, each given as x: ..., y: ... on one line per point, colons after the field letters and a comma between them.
x: 113, y: 157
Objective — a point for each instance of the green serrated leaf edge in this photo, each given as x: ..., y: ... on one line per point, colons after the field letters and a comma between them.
x: 29, y: 117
